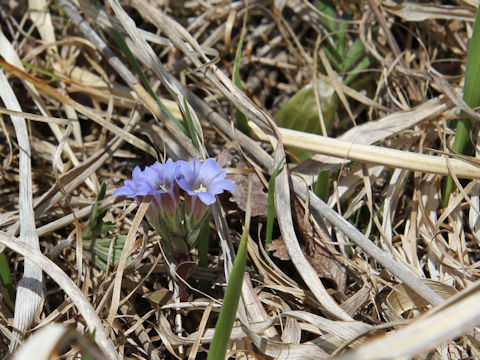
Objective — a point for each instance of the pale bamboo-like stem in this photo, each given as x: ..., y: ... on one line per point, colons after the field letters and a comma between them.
x: 371, y: 154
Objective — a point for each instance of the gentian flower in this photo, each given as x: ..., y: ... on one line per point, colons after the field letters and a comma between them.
x: 177, y: 222
x: 201, y: 182
x: 204, y: 180
x: 158, y: 184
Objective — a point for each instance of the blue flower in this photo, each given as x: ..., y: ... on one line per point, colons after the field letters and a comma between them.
x: 157, y: 184
x: 130, y: 187
x: 177, y: 222
x: 204, y: 180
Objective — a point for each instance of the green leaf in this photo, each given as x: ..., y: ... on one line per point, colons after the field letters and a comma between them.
x: 340, y: 37
x: 471, y: 95
x: 224, y: 326
x: 322, y: 184
x: 327, y: 20
x: 98, y: 250
x: 6, y: 276
x: 301, y: 113
x: 96, y: 225
x: 335, y: 59
x: 342, y: 30
x: 138, y: 70
x: 363, y: 64
x: 271, y: 208
x: 191, y: 132
x: 353, y: 54
x: 241, y: 123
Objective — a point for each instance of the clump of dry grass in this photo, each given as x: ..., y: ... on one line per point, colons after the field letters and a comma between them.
x: 370, y: 263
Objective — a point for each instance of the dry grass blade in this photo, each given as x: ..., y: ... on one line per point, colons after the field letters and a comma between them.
x: 358, y: 277
x: 371, y: 154
x: 282, y: 205
x: 48, y: 342
x: 127, y: 248
x: 419, y: 12
x: 149, y: 57
x: 397, y: 269
x: 75, y: 294
x: 452, y: 319
x: 29, y: 292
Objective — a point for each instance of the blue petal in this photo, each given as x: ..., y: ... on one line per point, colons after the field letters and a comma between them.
x: 182, y: 182
x: 209, y: 169
x: 196, y: 166
x: 185, y: 170
x: 128, y: 190
x: 137, y: 173
x: 219, y: 186
x: 206, y: 197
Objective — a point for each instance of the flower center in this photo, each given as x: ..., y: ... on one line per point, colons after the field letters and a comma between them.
x: 162, y: 187
x: 201, y: 188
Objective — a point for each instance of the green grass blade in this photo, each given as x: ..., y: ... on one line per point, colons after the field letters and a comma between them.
x: 322, y: 184
x: 6, y: 276
x: 138, y: 70
x: 191, y: 132
x: 43, y: 71
x: 327, y: 20
x: 242, y: 123
x: 471, y: 95
x: 224, y: 326
x: 353, y: 54
x: 363, y: 64
x: 271, y: 208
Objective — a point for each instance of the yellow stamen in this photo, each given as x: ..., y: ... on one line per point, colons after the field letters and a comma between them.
x: 201, y: 188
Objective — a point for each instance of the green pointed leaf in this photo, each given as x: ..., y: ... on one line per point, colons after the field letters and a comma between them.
x: 322, y: 184
x: 334, y: 57
x: 224, y: 326
x: 471, y: 95
x: 98, y: 250
x: 363, y: 64
x: 271, y: 207
x: 6, y: 276
x: 327, y: 20
x: 191, y: 132
x: 241, y: 123
x: 353, y: 54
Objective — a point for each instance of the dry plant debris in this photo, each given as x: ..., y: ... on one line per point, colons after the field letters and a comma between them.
x: 381, y: 259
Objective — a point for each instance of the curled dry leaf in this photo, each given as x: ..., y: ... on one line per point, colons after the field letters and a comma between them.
x: 324, y: 257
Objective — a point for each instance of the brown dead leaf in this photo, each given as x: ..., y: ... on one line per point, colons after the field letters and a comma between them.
x: 325, y: 259
x: 279, y: 249
x: 259, y: 202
